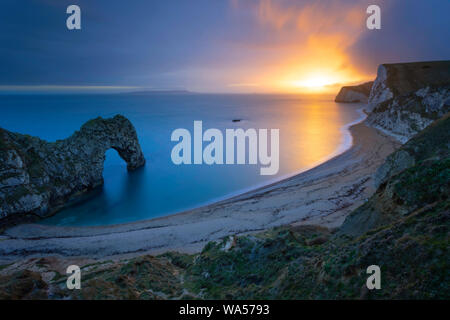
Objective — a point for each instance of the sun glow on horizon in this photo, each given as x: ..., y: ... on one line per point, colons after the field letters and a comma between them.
x: 314, y: 82
x: 323, y: 81
x: 308, y: 51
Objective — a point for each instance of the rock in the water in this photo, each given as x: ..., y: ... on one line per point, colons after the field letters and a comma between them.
x: 407, y: 97
x: 37, y: 178
x: 352, y: 94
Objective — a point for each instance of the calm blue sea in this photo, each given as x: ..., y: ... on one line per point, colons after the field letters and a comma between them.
x: 312, y: 130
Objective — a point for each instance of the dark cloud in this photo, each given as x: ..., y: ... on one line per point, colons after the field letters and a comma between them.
x: 413, y: 30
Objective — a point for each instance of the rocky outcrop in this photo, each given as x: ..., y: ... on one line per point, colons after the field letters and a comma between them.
x: 415, y: 176
x: 37, y: 178
x: 431, y: 143
x: 352, y: 94
x: 407, y: 97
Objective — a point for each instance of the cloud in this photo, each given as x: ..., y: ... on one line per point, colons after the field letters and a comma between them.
x: 412, y: 30
x: 305, y: 39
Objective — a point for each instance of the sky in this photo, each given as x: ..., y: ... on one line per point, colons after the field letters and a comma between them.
x: 242, y: 46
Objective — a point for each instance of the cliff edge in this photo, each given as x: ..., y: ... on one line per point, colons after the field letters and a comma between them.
x: 407, y: 97
x: 352, y: 94
x: 37, y: 178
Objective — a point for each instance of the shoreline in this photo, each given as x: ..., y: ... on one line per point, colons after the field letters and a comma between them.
x: 322, y: 195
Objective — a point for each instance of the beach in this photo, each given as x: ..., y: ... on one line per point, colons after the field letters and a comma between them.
x: 322, y: 196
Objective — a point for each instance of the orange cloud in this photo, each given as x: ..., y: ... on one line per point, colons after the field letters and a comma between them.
x: 309, y: 44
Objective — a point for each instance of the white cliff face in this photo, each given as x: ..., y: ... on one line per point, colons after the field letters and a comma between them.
x: 380, y: 91
x: 406, y: 98
x: 404, y: 117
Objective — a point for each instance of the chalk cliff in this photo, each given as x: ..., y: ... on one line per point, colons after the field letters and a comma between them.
x: 407, y: 97
x: 37, y: 178
x: 351, y: 94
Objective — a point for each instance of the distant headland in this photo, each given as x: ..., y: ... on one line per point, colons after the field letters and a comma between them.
x: 158, y: 92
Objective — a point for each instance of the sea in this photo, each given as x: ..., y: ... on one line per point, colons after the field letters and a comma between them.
x: 312, y: 129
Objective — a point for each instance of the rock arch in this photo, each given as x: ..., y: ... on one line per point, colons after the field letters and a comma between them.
x: 99, y: 135
x: 37, y: 178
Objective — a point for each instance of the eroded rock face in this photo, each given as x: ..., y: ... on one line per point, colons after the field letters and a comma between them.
x: 37, y: 178
x: 415, y: 176
x: 379, y: 92
x: 352, y: 94
x: 407, y: 97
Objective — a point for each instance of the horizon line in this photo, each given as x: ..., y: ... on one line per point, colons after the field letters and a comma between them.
x: 98, y: 89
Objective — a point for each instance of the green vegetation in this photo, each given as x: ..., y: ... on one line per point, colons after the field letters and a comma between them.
x: 424, y: 184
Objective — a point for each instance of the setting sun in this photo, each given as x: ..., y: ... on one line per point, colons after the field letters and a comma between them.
x: 314, y: 82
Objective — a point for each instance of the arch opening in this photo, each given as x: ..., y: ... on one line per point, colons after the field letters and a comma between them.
x: 113, y: 159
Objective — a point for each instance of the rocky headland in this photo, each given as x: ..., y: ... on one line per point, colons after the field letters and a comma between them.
x: 353, y: 94
x: 407, y: 97
x: 38, y: 178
